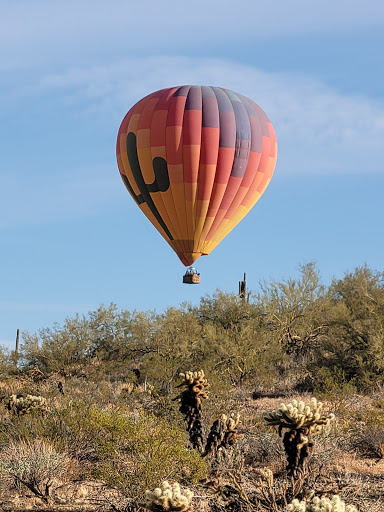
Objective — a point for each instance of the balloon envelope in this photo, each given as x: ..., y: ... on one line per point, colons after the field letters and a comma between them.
x: 196, y: 159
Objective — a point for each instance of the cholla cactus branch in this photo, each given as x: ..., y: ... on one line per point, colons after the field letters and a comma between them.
x: 298, y: 415
x: 301, y: 421
x: 231, y: 434
x: 168, y: 498
x: 215, y: 436
x: 335, y: 504
x: 266, y: 475
x: 191, y: 399
x: 297, y: 448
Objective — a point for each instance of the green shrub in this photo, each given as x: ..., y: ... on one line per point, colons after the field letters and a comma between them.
x: 132, y: 451
x: 135, y: 453
x: 331, y: 384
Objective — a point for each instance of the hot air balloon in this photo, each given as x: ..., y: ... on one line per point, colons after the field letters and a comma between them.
x: 196, y: 159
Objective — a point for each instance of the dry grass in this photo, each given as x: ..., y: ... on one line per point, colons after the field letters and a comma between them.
x: 35, y: 466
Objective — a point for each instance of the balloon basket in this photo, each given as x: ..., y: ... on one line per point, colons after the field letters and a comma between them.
x: 191, y: 276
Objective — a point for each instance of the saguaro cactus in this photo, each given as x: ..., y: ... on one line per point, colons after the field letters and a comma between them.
x: 301, y: 421
x: 168, y: 498
x: 335, y: 504
x: 191, y: 398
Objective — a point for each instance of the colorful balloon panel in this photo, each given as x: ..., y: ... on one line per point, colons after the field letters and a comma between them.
x: 196, y: 159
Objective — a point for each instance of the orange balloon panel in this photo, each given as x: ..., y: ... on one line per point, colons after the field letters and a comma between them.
x: 196, y: 159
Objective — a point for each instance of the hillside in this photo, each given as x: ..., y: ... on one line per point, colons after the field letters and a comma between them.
x: 101, y: 409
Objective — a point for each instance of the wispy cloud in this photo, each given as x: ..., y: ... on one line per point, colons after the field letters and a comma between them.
x: 319, y: 129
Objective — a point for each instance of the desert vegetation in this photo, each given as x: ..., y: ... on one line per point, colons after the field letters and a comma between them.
x: 267, y: 403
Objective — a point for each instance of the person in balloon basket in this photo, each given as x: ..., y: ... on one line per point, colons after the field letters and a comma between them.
x: 190, y: 271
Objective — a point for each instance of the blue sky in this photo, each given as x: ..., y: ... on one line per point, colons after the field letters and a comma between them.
x: 71, y: 236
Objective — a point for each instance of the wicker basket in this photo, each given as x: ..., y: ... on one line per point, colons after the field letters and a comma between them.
x: 191, y: 278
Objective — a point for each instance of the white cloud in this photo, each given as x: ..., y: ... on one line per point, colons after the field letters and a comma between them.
x: 318, y: 128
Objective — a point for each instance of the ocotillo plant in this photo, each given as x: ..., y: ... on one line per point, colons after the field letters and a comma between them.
x: 191, y: 399
x: 301, y: 421
x: 335, y: 504
x: 168, y: 498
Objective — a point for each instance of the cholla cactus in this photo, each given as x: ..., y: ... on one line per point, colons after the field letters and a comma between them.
x: 232, y: 435
x: 191, y: 398
x: 168, y: 498
x: 19, y: 404
x: 232, y: 422
x: 335, y: 504
x: 224, y: 434
x: 298, y: 415
x: 196, y: 383
x: 301, y: 421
